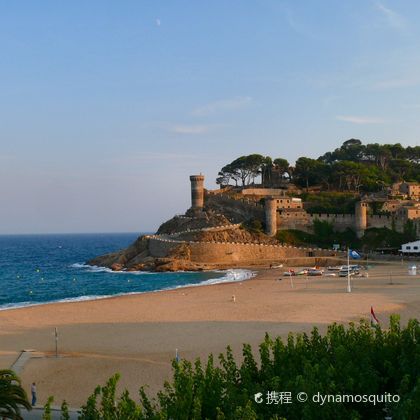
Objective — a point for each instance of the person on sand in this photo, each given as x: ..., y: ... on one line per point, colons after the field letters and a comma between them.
x: 33, y: 392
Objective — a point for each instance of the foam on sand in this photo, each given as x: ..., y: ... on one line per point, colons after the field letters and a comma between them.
x: 228, y: 276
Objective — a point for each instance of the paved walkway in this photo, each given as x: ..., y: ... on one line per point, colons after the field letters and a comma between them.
x: 36, y: 413
x: 24, y: 356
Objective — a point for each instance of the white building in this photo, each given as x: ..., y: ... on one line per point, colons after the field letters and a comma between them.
x: 411, y: 247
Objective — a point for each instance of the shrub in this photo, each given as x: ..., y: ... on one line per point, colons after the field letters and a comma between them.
x: 358, y: 360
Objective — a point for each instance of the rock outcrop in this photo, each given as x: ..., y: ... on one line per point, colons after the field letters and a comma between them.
x: 175, y: 238
x: 206, y: 240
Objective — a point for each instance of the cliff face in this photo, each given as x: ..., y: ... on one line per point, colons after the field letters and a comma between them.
x: 136, y: 253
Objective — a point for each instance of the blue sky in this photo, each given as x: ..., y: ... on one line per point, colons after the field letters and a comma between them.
x: 107, y: 107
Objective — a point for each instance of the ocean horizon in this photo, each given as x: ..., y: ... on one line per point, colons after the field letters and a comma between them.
x: 47, y: 268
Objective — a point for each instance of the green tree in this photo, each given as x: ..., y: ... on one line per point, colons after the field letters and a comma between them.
x: 244, y: 169
x: 380, y: 154
x: 413, y: 154
x: 308, y: 172
x: 47, y: 409
x: 351, y: 150
x: 104, y: 404
x: 64, y: 411
x: 282, y: 165
x: 228, y: 173
x: 323, y: 231
x: 401, y: 168
x: 12, y: 396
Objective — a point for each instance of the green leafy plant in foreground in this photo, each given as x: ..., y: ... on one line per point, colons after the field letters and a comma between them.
x: 12, y: 396
x: 47, y: 409
x: 358, y: 360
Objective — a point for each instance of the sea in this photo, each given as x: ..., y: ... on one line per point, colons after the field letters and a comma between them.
x: 39, y: 269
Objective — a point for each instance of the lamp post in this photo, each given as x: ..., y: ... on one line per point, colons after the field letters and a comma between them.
x: 348, y: 271
x: 56, y: 341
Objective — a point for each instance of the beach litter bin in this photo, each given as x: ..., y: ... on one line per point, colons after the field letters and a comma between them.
x: 412, y: 271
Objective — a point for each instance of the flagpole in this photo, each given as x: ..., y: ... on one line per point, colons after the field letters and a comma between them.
x: 348, y: 271
x: 56, y: 341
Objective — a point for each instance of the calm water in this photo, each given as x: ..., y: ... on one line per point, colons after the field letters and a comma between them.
x: 46, y: 268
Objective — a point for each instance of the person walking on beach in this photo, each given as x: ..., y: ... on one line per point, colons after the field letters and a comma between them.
x: 33, y: 392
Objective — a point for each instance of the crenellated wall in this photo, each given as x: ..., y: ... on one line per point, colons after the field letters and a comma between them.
x: 339, y: 221
x: 233, y: 252
x: 304, y: 221
x: 379, y: 221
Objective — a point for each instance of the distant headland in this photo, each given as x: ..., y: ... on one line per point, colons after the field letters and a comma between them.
x: 363, y: 196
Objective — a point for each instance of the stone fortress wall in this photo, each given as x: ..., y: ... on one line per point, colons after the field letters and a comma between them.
x: 296, y: 217
x: 231, y: 252
x: 339, y: 221
x: 379, y: 221
x: 276, y: 218
x: 216, y: 252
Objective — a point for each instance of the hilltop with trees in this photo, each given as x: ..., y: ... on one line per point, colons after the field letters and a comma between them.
x: 352, y: 167
x: 332, y: 184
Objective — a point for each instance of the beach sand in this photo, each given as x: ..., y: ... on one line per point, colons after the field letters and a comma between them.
x: 137, y: 335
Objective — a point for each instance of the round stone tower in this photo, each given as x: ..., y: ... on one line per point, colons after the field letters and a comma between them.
x: 270, y: 207
x: 361, y: 218
x: 197, y: 192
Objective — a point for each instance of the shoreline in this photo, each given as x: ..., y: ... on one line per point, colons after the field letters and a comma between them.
x: 259, y: 275
x: 137, y: 334
x: 89, y: 298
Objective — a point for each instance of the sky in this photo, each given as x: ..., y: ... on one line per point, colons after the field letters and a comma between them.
x: 107, y: 107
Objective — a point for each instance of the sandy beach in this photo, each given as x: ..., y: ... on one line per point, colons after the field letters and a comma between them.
x: 137, y: 335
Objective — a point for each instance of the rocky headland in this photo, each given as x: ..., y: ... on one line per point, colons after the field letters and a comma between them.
x: 180, y: 234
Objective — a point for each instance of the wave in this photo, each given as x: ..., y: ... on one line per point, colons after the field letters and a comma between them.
x: 230, y: 276
x: 64, y: 300
x: 100, y: 269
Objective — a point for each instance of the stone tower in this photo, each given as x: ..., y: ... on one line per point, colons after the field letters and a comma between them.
x: 197, y: 192
x: 270, y: 207
x: 361, y: 218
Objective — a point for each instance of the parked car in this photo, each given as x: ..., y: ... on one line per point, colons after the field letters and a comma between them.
x: 315, y: 272
x: 289, y: 273
x: 336, y: 267
x: 350, y: 271
x: 330, y: 274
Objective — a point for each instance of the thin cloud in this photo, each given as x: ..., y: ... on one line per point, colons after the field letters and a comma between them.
x: 189, y: 129
x: 396, y: 83
x: 152, y: 156
x: 359, y: 119
x: 297, y: 26
x: 411, y: 106
x: 393, y: 18
x: 232, y: 104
